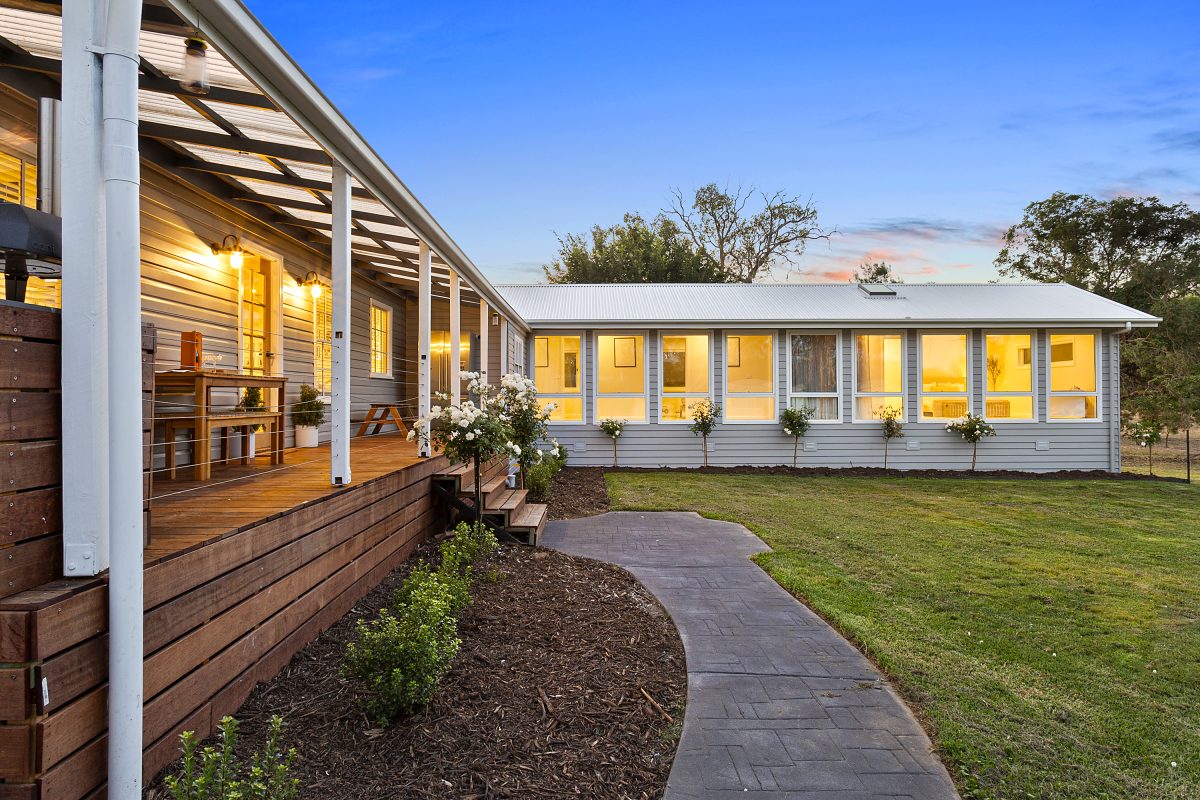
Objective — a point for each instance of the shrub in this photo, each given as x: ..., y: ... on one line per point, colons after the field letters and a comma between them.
x: 705, y: 416
x: 889, y: 418
x: 308, y: 410
x: 540, y: 476
x: 527, y: 418
x: 455, y: 585
x: 796, y: 422
x: 402, y: 657
x: 214, y: 774
x: 613, y: 428
x: 971, y: 428
x: 468, y: 544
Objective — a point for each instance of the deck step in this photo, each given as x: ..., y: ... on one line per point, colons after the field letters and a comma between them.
x: 510, y: 502
x: 528, y: 523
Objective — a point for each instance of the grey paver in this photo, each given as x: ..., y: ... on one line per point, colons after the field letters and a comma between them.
x: 780, y: 707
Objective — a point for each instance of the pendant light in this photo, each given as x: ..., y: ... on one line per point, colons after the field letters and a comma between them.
x: 195, y: 65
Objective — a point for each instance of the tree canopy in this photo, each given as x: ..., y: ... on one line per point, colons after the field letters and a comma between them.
x: 633, y: 251
x: 875, y: 272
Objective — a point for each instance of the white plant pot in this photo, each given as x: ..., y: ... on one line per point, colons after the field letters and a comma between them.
x: 251, y: 447
x: 306, y: 435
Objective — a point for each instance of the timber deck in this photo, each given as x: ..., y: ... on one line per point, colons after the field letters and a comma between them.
x: 186, y: 514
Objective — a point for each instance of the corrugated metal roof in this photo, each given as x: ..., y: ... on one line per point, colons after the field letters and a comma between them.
x: 708, y: 305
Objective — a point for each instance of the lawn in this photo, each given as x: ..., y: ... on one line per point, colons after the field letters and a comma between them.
x: 1048, y: 631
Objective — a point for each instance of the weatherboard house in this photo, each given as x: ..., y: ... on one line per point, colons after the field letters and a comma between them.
x: 191, y: 233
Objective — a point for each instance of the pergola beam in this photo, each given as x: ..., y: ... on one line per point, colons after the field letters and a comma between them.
x: 237, y: 144
x: 266, y: 176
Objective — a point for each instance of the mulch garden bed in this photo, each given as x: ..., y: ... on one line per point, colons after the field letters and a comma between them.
x: 563, y: 686
x: 879, y: 472
x: 578, y: 492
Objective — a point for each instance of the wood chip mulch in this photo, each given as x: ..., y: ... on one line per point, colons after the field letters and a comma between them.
x: 578, y: 492
x: 563, y: 686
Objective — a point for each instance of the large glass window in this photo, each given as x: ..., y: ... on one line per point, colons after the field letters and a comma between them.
x: 621, y: 377
x: 556, y: 362
x: 815, y: 377
x: 1008, y: 376
x: 685, y: 375
x: 381, y: 340
x: 749, y: 377
x: 1074, y: 390
x: 878, y: 374
x: 944, y: 393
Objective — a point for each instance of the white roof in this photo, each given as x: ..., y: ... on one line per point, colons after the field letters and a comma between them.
x: 821, y: 304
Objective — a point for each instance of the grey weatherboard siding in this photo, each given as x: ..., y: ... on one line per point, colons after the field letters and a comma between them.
x: 1072, y: 445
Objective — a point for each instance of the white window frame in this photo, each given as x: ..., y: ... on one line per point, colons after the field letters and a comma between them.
x: 837, y: 334
x: 662, y: 393
x: 391, y: 330
x: 326, y: 291
x: 273, y: 355
x: 1032, y: 394
x: 1098, y: 350
x: 583, y: 375
x: 855, y: 393
x: 774, y: 393
x: 922, y: 394
x: 597, y: 394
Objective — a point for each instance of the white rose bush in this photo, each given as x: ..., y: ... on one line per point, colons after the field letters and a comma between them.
x: 528, y: 419
x: 971, y: 428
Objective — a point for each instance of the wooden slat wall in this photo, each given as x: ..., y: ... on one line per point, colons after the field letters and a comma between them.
x: 219, y: 619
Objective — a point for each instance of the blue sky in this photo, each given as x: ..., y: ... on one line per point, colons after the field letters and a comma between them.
x: 919, y: 130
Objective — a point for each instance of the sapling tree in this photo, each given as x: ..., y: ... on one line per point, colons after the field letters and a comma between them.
x: 613, y: 428
x: 1146, y: 433
x: 893, y: 428
x: 705, y: 416
x: 971, y: 428
x: 795, y: 422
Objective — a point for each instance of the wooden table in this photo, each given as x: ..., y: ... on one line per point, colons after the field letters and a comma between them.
x: 198, y: 384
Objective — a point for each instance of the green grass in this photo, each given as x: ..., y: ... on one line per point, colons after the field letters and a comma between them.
x: 1048, y: 631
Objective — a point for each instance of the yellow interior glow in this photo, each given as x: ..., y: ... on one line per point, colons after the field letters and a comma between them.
x: 556, y: 365
x: 880, y: 362
x: 944, y: 362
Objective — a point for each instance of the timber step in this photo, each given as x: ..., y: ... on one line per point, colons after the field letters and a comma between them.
x: 507, y: 508
x: 529, y: 522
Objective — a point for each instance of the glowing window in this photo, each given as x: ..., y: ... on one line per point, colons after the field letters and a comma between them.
x: 381, y: 340
x: 556, y: 371
x: 749, y: 377
x: 1074, y: 390
x: 815, y: 381
x: 322, y: 339
x: 621, y: 377
x: 1008, y: 376
x: 878, y: 374
x: 685, y: 375
x: 256, y: 309
x: 944, y: 393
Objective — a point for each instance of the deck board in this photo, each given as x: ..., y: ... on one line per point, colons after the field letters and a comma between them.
x: 187, y: 513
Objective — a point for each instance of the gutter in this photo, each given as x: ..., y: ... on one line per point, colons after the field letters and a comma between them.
x: 243, y: 40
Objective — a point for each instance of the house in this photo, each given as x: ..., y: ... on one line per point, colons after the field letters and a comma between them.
x: 1039, y: 362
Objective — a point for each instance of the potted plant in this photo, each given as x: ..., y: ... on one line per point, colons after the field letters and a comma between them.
x: 252, y: 400
x: 795, y: 423
x: 889, y: 417
x: 612, y: 429
x: 971, y: 428
x: 705, y: 416
x: 307, y: 415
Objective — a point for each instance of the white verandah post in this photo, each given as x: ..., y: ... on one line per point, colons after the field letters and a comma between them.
x: 339, y: 449
x: 484, y: 352
x: 455, y: 338
x: 424, y: 331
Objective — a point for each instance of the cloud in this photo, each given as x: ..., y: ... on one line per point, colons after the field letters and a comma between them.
x: 1179, y: 139
x: 930, y: 229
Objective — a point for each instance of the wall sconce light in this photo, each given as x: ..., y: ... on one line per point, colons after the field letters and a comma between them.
x: 314, y: 285
x: 495, y: 318
x: 195, y: 65
x: 232, y: 247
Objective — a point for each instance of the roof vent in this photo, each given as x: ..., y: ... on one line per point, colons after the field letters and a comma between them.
x: 877, y: 290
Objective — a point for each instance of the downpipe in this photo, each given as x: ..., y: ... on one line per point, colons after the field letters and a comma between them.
x: 122, y: 178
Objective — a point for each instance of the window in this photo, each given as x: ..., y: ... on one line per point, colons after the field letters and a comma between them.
x: 1074, y: 391
x: 621, y: 377
x: 381, y: 340
x: 685, y: 371
x: 749, y: 377
x: 18, y: 180
x: 256, y: 309
x: 556, y: 362
x: 815, y: 375
x: 322, y: 339
x: 1008, y: 376
x: 878, y: 374
x: 945, y: 393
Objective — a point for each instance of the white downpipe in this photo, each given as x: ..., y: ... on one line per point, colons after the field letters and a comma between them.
x: 84, y: 365
x: 339, y: 450
x: 424, y: 331
x: 484, y: 351
x: 455, y: 337
x: 122, y: 176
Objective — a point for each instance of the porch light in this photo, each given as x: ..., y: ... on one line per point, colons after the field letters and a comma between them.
x: 314, y: 285
x: 232, y: 247
x: 195, y: 65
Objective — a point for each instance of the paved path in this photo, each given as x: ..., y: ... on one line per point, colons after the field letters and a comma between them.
x: 780, y: 707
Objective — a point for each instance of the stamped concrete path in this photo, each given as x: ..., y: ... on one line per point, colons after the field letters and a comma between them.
x: 779, y: 705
